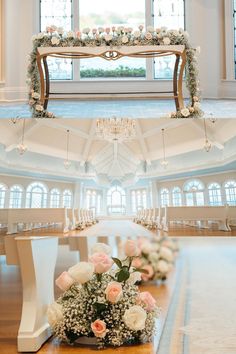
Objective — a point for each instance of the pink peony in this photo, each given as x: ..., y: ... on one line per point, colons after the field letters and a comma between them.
x: 147, y: 299
x: 64, y: 281
x: 131, y: 248
x: 102, y: 262
x: 113, y: 292
x: 99, y: 328
x: 146, y: 277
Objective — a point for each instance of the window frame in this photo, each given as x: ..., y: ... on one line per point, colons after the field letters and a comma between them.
x: 165, y: 197
x: 4, y: 189
x: 51, y: 197
x: 216, y: 196
x: 194, y: 192
x: 230, y: 202
x: 150, y: 65
x: 12, y: 199
x: 44, y: 198
x: 65, y: 196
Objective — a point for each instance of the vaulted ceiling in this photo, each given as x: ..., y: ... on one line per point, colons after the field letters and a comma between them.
x: 129, y: 161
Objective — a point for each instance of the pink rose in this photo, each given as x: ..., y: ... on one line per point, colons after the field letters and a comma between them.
x: 137, y: 263
x: 131, y: 248
x: 147, y: 299
x: 150, y: 273
x: 94, y: 31
x: 148, y: 36
x: 64, y: 281
x: 78, y: 34
x: 140, y: 27
x: 113, y: 28
x: 102, y: 262
x: 99, y: 328
x: 114, y: 292
x: 107, y: 30
x: 49, y: 29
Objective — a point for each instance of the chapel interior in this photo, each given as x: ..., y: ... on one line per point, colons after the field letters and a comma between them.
x: 105, y: 155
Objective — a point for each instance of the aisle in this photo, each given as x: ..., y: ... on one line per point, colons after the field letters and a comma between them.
x: 202, y: 318
x: 111, y: 228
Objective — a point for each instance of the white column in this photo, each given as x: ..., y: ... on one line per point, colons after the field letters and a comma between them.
x: 37, y: 259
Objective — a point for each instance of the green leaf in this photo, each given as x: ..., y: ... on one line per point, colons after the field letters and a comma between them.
x: 99, y: 307
x: 122, y: 275
x: 72, y: 336
x: 117, y: 262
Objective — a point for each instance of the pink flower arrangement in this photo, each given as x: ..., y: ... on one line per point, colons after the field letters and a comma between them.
x: 150, y: 272
x: 114, y: 292
x: 147, y: 299
x: 99, y: 328
x: 64, y: 281
x: 102, y: 262
x: 131, y: 249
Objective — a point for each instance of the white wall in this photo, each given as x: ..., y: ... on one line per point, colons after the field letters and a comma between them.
x: 204, y: 20
x: 220, y: 178
x: 50, y: 184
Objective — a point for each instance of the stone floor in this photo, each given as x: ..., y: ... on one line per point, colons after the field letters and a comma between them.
x: 136, y: 108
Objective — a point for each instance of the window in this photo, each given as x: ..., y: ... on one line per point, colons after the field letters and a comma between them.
x: 165, y: 199
x: 214, y: 191
x: 230, y: 192
x: 3, y: 190
x: 116, y: 200
x: 176, y: 196
x: 58, y: 13
x: 170, y: 14
x: 36, y: 195
x: 106, y: 13
x: 194, y: 193
x: 93, y: 201
x: 55, y: 198
x: 16, y: 193
x: 138, y: 200
x: 67, y: 199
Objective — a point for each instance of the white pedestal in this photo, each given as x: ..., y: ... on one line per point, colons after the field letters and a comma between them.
x: 37, y: 259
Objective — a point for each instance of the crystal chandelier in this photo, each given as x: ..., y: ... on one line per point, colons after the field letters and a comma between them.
x: 207, y: 145
x: 22, y: 148
x: 67, y: 163
x: 164, y: 162
x: 116, y: 129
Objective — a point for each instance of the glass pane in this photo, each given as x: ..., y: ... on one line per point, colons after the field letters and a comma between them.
x: 170, y: 14
x: 106, y: 13
x: 58, y: 13
x: 189, y: 199
x: 199, y: 198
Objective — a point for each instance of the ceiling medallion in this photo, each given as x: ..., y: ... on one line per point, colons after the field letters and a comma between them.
x: 116, y: 129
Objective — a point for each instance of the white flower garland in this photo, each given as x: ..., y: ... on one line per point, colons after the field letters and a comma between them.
x: 56, y: 37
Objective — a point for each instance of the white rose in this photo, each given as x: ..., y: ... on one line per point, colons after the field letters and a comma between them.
x: 185, y: 112
x: 86, y: 30
x: 71, y: 34
x: 198, y: 50
x: 146, y: 247
x: 82, y: 272
x: 166, y: 41
x: 156, y: 247
x: 166, y: 253
x: 150, y: 29
x: 175, y: 33
x: 134, y: 277
x: 36, y: 95
x: 135, y: 318
x: 54, y: 314
x: 197, y: 106
x: 55, y: 40
x: 154, y: 257
x: 101, y: 248
x: 39, y: 108
x: 54, y: 28
x: 137, y: 34
x: 40, y: 35
x: 34, y: 37
x: 100, y: 29
x: 162, y: 267
x: 108, y: 37
x: 125, y: 39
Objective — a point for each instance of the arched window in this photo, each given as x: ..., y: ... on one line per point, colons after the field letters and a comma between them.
x: 116, y: 200
x: 230, y: 192
x: 214, y: 191
x: 3, y: 190
x: 138, y: 200
x: 176, y: 196
x: 67, y: 198
x: 36, y: 195
x: 16, y: 193
x: 93, y: 201
x: 194, y: 193
x: 165, y: 197
x: 55, y: 198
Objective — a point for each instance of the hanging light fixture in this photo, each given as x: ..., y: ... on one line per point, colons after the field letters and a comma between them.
x: 116, y: 129
x: 207, y: 145
x: 67, y: 163
x: 22, y: 148
x: 164, y: 162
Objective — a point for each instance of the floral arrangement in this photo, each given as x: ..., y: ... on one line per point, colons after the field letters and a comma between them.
x: 57, y: 37
x: 156, y: 257
x: 101, y: 303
